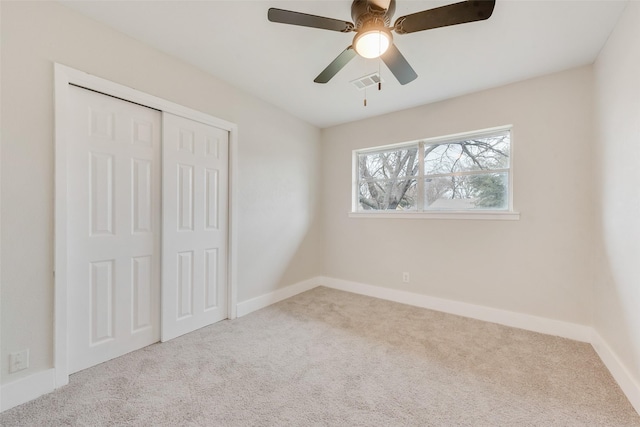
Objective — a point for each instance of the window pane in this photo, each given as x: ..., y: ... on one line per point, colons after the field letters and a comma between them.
x: 390, y: 164
x: 387, y: 195
x: 458, y: 193
x: 475, y: 154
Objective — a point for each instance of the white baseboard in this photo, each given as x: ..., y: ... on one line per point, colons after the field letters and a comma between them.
x: 249, y: 306
x: 620, y: 373
x: 503, y: 317
x: 28, y: 388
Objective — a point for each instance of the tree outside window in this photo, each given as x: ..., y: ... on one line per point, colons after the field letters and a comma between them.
x: 461, y: 174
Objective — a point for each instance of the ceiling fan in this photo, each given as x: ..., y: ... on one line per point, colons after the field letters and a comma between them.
x: 373, y: 37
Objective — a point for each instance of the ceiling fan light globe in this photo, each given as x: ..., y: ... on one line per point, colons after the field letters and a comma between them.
x: 372, y: 43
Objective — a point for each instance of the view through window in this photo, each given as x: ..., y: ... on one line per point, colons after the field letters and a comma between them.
x: 461, y: 174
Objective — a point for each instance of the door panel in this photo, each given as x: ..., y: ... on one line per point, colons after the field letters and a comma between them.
x: 195, y: 222
x: 113, y: 206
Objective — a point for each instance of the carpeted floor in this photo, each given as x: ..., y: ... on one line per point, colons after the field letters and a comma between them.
x: 333, y: 358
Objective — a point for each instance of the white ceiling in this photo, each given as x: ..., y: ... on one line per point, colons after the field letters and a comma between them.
x: 234, y: 41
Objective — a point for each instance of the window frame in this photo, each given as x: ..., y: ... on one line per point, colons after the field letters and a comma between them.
x: 492, y: 214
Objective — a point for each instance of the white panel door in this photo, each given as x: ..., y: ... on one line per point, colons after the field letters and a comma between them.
x: 113, y: 205
x: 194, y: 232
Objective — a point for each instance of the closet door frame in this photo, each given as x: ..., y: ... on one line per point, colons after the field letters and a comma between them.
x: 65, y: 76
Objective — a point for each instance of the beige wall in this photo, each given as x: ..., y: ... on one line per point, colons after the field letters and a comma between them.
x: 617, y: 174
x: 278, y: 174
x: 539, y: 265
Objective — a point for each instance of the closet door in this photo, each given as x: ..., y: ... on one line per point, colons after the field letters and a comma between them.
x: 113, y: 206
x: 195, y: 160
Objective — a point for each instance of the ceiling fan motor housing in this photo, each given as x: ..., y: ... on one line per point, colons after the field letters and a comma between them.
x: 366, y: 14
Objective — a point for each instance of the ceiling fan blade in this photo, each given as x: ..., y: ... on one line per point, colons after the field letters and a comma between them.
x: 398, y: 65
x: 305, y: 20
x: 335, y: 66
x: 452, y: 14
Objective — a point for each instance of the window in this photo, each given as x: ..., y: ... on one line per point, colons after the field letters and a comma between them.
x: 462, y: 173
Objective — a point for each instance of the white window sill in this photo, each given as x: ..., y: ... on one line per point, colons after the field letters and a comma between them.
x: 485, y: 215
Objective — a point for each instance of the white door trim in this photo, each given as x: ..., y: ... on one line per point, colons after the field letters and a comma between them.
x: 63, y: 77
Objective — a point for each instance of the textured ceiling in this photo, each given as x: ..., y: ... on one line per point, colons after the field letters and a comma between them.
x: 234, y: 41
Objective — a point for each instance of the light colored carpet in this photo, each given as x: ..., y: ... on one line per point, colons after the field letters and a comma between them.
x: 333, y: 358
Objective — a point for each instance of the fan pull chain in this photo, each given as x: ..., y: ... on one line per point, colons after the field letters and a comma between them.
x: 365, y: 96
x: 379, y: 75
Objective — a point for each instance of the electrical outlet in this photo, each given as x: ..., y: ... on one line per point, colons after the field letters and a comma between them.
x: 405, y: 277
x: 18, y: 361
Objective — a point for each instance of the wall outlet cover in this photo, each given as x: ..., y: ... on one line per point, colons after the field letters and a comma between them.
x: 18, y: 361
